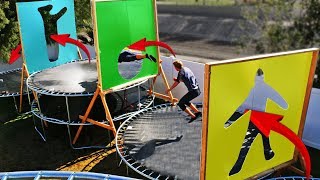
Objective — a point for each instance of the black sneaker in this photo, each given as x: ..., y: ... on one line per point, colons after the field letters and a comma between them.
x: 192, y: 119
x: 198, y: 114
x: 150, y: 57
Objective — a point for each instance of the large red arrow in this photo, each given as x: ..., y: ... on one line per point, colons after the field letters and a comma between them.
x: 65, y: 38
x: 143, y: 43
x: 15, y: 54
x: 266, y: 122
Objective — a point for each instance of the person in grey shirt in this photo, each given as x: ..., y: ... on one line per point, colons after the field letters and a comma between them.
x: 186, y: 76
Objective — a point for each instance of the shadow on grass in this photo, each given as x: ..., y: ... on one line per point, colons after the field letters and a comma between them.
x: 22, y: 149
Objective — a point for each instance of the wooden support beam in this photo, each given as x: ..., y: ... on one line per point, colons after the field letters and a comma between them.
x: 164, y: 97
x: 96, y: 123
x: 85, y: 118
x: 96, y: 93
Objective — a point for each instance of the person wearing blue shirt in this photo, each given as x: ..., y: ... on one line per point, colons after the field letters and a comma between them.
x: 186, y: 76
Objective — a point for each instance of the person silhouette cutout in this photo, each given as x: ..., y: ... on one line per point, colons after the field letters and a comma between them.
x: 129, y: 55
x: 257, y: 101
x: 52, y: 20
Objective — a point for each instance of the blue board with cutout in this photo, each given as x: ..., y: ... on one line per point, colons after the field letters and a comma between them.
x: 31, y: 15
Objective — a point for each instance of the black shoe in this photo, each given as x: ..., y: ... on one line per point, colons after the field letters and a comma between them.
x: 192, y: 119
x: 268, y: 154
x: 52, y: 60
x: 198, y: 114
x: 150, y: 57
x: 234, y: 170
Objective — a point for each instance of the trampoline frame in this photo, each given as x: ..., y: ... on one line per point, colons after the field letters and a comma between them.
x: 133, y: 164
x: 59, y: 174
x: 36, y: 110
x: 12, y: 94
x: 20, y: 93
x: 53, y: 93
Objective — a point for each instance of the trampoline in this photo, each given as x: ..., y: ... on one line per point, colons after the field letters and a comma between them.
x: 59, y: 175
x: 160, y: 143
x: 64, y: 92
x: 10, y: 82
x: 293, y: 178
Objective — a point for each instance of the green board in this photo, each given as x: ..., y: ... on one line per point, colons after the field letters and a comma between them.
x: 120, y: 23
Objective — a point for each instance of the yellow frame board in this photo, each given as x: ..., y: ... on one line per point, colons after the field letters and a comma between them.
x: 227, y: 85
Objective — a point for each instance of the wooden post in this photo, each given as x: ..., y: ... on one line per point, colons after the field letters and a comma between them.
x: 21, y: 87
x: 96, y: 93
x: 85, y: 118
x: 205, y: 122
x: 108, y: 115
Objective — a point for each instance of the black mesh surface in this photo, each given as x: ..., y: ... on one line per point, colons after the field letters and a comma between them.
x: 74, y: 77
x: 79, y: 77
x: 10, y: 82
x: 164, y: 141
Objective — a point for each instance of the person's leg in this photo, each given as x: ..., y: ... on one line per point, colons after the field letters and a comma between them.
x: 194, y: 108
x: 182, y: 104
x: 248, y: 140
x: 192, y: 95
x: 128, y: 57
x: 268, y: 153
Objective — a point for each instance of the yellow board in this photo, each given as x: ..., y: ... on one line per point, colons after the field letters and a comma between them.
x: 229, y: 86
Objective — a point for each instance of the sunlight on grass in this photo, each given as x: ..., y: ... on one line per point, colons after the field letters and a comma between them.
x: 19, y: 118
x: 86, y: 163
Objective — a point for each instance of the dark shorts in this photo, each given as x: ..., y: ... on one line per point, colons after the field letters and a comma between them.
x: 127, y: 57
x: 185, y: 100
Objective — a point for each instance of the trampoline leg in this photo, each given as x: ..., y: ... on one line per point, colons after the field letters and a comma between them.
x: 68, y: 125
x: 127, y: 170
x: 15, y: 104
x: 139, y: 97
x: 86, y: 115
x: 42, y: 135
x: 108, y: 115
x: 42, y: 122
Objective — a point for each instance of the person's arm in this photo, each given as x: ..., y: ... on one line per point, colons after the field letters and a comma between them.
x: 60, y: 14
x: 276, y: 97
x: 175, y: 84
x: 239, y: 111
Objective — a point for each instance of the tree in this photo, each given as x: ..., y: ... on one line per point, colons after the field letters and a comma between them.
x: 9, y: 31
x: 284, y: 25
x: 9, y: 28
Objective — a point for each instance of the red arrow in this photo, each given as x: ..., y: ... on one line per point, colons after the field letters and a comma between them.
x: 266, y: 122
x: 65, y: 38
x: 143, y: 43
x: 15, y: 54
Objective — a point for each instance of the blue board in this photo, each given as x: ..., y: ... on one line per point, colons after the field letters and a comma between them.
x: 33, y: 33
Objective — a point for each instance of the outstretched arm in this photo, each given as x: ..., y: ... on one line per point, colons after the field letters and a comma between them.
x: 175, y: 84
x: 276, y: 97
x: 239, y: 111
x: 60, y: 14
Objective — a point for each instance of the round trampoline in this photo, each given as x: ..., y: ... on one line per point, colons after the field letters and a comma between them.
x: 160, y: 143
x: 64, y: 92
x: 10, y: 82
x: 60, y: 175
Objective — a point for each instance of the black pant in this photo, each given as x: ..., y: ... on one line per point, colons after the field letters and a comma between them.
x: 185, y: 100
x: 252, y: 133
x: 127, y: 57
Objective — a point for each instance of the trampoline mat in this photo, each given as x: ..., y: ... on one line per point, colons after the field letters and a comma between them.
x: 10, y: 82
x: 164, y: 141
x: 74, y: 77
